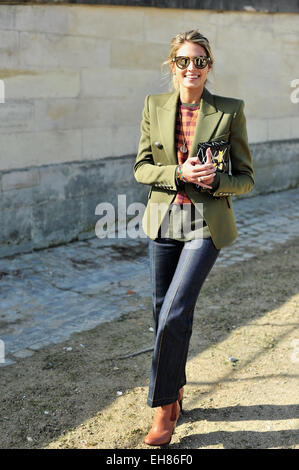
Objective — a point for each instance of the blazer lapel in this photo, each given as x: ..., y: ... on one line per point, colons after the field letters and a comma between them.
x: 167, y: 120
x: 207, y: 121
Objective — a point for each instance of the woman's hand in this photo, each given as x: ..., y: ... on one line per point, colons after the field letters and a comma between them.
x: 192, y: 170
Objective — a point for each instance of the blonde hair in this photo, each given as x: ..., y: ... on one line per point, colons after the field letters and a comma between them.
x: 190, y: 36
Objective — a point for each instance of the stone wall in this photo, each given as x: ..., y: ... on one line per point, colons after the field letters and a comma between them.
x: 75, y: 80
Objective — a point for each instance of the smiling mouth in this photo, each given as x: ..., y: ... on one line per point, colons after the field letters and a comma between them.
x: 192, y: 76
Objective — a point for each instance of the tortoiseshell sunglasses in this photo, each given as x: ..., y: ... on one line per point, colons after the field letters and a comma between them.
x: 199, y: 62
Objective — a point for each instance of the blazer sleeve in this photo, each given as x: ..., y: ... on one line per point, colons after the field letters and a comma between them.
x: 242, y: 179
x: 145, y: 170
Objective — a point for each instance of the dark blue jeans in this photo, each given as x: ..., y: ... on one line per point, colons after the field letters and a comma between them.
x: 178, y: 270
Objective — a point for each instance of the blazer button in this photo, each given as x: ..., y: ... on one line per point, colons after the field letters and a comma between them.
x: 159, y: 145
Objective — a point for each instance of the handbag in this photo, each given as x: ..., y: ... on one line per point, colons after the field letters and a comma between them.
x: 220, y: 155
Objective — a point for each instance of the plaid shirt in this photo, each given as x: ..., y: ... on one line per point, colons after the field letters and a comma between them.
x: 184, y: 132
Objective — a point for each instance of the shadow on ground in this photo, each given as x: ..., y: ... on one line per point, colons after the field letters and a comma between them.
x: 56, y: 390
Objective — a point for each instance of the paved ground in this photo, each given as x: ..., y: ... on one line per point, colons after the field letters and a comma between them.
x: 47, y: 295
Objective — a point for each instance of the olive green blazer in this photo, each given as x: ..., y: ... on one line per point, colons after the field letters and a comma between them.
x: 219, y: 118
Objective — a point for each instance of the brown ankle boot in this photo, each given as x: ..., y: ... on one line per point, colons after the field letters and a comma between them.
x: 163, y: 426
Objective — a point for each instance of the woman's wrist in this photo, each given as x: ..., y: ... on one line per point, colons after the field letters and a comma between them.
x: 179, y: 174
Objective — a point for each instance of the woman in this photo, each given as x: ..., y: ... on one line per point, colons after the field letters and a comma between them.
x: 173, y: 125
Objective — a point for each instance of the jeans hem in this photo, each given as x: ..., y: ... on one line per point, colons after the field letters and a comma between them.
x: 161, y: 402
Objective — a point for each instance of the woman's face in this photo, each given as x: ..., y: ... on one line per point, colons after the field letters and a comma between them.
x: 191, y: 77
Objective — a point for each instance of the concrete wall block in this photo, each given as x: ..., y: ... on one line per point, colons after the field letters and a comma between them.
x: 225, y: 83
x: 7, y: 16
x: 205, y: 21
x: 120, y: 172
x: 97, y: 143
x: 137, y: 55
x: 295, y: 127
x: 160, y: 28
x: 270, y: 154
x: 87, y: 112
x: 282, y: 23
x: 257, y: 130
x: 290, y: 38
x: 268, y: 95
x: 56, y: 50
x: 80, y: 180
x: 9, y: 48
x: 27, y: 84
x: 87, y: 185
x: 15, y: 226
x: 117, y: 83
x: 41, y: 18
x: 262, y: 21
x: 239, y: 39
x: 280, y: 129
x: 53, y: 180
x: 276, y: 177
x: 75, y: 113
x: 107, y: 22
x: 264, y: 88
x: 62, y: 182
x: 49, y: 183
x: 128, y: 112
x: 110, y: 142
x: 39, y: 148
x: 276, y: 165
x: 127, y: 140
x: 22, y: 197
x: 78, y: 184
x: 16, y: 116
x: 88, y: 207
x: 66, y: 216
x: 20, y: 179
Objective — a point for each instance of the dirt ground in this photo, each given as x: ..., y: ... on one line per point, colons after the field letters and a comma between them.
x: 242, y: 372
